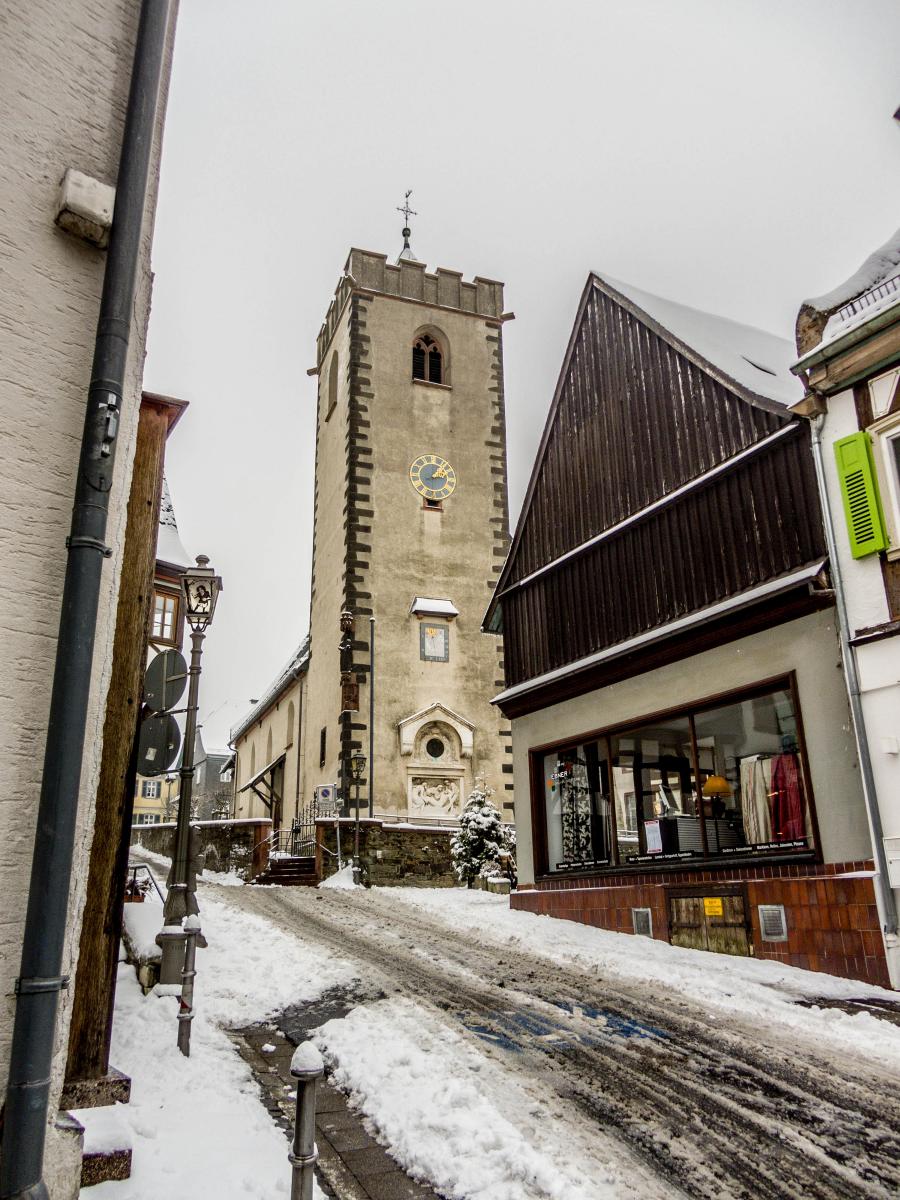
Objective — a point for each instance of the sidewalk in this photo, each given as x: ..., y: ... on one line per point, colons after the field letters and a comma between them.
x: 352, y: 1165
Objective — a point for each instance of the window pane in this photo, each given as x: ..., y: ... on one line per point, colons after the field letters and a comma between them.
x: 656, y: 795
x: 751, y: 776
x: 576, y: 787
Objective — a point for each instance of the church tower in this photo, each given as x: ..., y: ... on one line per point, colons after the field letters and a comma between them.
x: 411, y: 529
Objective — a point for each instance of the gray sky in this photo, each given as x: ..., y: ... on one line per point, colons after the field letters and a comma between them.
x: 733, y: 156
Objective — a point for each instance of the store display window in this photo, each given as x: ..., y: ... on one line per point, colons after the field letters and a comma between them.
x: 579, y: 827
x: 718, y: 779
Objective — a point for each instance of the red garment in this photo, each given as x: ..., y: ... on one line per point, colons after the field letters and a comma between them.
x: 788, y: 811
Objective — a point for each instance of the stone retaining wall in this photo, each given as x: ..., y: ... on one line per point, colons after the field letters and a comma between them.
x: 227, y: 845
x: 391, y: 855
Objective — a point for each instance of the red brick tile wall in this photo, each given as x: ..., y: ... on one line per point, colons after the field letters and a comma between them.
x: 832, y: 921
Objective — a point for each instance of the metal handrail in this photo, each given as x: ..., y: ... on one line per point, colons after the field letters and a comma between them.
x: 134, y: 867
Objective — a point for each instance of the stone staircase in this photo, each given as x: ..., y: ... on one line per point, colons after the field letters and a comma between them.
x: 289, y: 871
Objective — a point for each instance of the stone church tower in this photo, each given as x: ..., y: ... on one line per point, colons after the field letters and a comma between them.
x: 411, y: 528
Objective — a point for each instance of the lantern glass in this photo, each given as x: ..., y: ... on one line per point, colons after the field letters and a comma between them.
x: 201, y: 587
x: 358, y: 762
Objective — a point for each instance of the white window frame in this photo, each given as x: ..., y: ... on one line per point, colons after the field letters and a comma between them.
x: 884, y: 433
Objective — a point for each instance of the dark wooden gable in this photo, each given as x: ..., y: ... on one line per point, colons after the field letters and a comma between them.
x: 634, y: 419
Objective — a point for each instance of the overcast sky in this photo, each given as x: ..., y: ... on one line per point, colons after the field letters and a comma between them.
x: 736, y: 156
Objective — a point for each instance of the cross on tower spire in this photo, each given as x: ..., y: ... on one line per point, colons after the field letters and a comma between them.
x: 408, y: 212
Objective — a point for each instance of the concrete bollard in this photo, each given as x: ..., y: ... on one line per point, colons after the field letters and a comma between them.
x: 307, y: 1068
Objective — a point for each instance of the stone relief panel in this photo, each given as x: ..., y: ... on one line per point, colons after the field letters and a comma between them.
x: 430, y: 796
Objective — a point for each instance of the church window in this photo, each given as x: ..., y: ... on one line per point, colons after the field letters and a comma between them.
x: 289, y: 740
x: 434, y: 747
x: 322, y: 746
x: 427, y: 360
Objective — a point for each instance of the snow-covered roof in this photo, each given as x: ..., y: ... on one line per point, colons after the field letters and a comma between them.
x: 880, y: 265
x: 755, y: 359
x: 169, y: 548
x: 295, y: 665
x: 430, y: 606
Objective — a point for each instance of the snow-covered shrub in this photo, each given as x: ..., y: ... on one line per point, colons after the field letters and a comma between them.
x: 482, y: 837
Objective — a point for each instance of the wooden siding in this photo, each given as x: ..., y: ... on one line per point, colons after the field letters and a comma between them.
x: 635, y: 421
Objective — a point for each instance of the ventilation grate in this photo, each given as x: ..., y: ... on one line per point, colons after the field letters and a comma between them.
x: 642, y: 921
x: 773, y: 923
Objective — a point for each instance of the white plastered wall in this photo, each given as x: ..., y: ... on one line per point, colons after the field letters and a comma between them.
x: 50, y: 286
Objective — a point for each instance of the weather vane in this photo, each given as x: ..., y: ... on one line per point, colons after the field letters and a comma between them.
x: 408, y: 212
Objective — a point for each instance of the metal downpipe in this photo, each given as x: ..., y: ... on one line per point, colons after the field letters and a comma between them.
x: 887, y: 903
x: 39, y: 984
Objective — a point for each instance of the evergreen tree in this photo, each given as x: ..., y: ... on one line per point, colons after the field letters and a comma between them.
x: 477, y: 845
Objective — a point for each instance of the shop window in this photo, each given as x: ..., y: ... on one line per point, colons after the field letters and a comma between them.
x: 579, y: 828
x: 753, y: 790
x: 713, y: 781
x: 165, y: 617
x: 655, y: 791
x: 434, y: 642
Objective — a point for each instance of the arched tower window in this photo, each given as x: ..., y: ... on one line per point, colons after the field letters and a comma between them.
x: 428, y: 360
x: 332, y: 383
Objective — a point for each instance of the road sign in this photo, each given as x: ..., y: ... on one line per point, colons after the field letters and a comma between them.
x: 159, y: 740
x: 165, y: 681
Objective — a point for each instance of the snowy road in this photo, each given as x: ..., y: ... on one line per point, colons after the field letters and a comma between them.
x: 687, y: 1099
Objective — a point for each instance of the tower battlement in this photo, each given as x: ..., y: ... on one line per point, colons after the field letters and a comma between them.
x: 370, y: 272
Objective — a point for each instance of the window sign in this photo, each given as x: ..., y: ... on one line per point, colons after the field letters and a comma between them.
x: 434, y: 642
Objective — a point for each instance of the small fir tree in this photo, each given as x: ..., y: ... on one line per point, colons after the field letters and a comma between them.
x: 481, y: 839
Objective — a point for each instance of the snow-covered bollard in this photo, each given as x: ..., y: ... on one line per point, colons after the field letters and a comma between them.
x: 307, y: 1068
x: 186, y: 1003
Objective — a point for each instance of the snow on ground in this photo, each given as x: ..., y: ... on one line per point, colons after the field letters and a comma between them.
x: 197, y: 1125
x: 452, y: 1116
x: 342, y: 879
x: 762, y: 991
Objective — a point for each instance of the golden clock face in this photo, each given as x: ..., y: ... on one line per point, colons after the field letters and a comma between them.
x: 432, y: 477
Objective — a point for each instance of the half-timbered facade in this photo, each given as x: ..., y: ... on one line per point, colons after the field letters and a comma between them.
x: 683, y: 761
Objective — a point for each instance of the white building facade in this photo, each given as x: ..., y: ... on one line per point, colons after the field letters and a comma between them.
x: 849, y: 343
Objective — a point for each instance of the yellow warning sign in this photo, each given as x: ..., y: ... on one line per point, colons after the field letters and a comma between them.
x: 712, y: 906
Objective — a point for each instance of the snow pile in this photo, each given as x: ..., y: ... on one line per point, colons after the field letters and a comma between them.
x: 105, y: 1130
x: 450, y: 1116
x: 142, y: 923
x: 762, y: 991
x: 342, y: 879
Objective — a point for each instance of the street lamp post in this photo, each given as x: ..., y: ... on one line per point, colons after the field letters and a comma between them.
x: 358, y: 763
x: 200, y: 590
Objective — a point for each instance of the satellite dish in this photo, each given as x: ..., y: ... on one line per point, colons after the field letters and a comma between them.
x: 165, y: 681
x: 158, y: 743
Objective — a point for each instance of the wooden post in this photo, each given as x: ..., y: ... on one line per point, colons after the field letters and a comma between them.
x: 95, y: 979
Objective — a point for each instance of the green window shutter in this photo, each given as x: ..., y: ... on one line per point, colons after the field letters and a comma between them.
x: 859, y: 489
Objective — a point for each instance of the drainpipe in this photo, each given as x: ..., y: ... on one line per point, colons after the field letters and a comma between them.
x: 887, y: 904
x: 40, y: 981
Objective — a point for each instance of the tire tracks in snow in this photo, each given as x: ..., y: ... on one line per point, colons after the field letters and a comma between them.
x: 708, y: 1109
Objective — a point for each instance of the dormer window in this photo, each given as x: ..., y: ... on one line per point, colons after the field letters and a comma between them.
x: 427, y: 360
